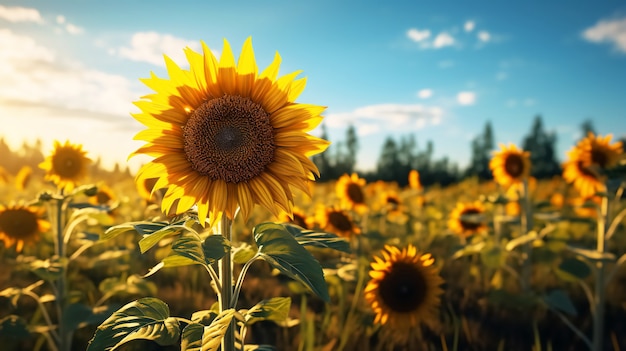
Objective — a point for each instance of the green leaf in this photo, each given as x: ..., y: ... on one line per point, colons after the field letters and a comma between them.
x: 50, y: 269
x: 317, y: 239
x: 149, y: 240
x: 204, y: 317
x: 243, y: 253
x: 469, y: 250
x: 114, y: 231
x: 214, y: 247
x: 281, y: 250
x: 521, y: 240
x: 559, y: 300
x: 593, y: 255
x: 492, y: 257
x: 147, y: 318
x: 573, y: 270
x: 78, y: 315
x: 275, y: 309
x: 133, y: 285
x: 14, y: 327
x: 197, y: 337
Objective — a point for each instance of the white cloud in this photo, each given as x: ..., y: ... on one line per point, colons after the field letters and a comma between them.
x: 387, y: 117
x: 73, y: 29
x: 466, y: 98
x: 484, y: 36
x: 20, y: 14
x: 48, y: 95
x: 418, y: 35
x: 469, y: 26
x: 425, y: 93
x: 443, y: 39
x: 60, y: 19
x: 608, y: 31
x: 150, y: 47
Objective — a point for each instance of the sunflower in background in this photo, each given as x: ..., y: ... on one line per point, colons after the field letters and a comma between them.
x: 467, y: 218
x: 510, y: 165
x: 298, y: 218
x: 22, y: 179
x: 225, y: 137
x: 349, y: 189
x: 4, y: 175
x: 587, y: 161
x: 404, y: 289
x: 414, y: 180
x: 21, y: 225
x: 66, y: 166
x: 337, y: 221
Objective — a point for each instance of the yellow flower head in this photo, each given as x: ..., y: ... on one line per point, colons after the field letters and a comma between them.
x: 20, y: 224
x: 66, y: 166
x: 414, y: 180
x: 23, y: 177
x: 336, y: 221
x: 404, y: 289
x: 510, y: 165
x: 586, y: 180
x: 598, y: 151
x: 460, y: 222
x: 298, y: 217
x: 350, y: 191
x: 224, y: 136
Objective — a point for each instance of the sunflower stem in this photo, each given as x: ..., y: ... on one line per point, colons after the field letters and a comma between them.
x: 60, y: 291
x: 527, y: 225
x: 226, y: 280
x: 599, y: 301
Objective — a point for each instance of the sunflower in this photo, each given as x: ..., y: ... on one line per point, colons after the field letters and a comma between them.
x: 598, y: 151
x: 414, y: 180
x: 20, y: 224
x: 586, y: 180
x: 336, y: 221
x: 145, y: 188
x: 104, y: 196
x: 404, y: 289
x: 223, y: 136
x: 66, y: 165
x: 4, y: 175
x: 586, y: 207
x: 298, y: 217
x: 350, y: 191
x: 472, y: 223
x: 510, y: 165
x: 23, y: 177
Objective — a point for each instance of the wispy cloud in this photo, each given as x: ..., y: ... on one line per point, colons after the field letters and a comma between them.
x: 16, y: 14
x: 442, y: 40
x: 418, y: 35
x: 484, y: 36
x: 425, y: 93
x: 466, y: 98
x: 469, y: 26
x: 611, y: 31
x: 69, y: 27
x: 388, y: 117
x: 452, y: 37
x: 150, y: 46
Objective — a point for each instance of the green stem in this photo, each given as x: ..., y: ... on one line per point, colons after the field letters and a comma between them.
x: 239, y: 283
x: 44, y: 312
x: 226, y: 280
x: 65, y: 337
x: 598, y: 317
x: 527, y: 225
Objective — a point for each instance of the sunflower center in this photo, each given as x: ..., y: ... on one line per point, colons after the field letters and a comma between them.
x: 67, y: 163
x: 514, y: 165
x: 229, y: 138
x: 355, y: 193
x: 470, y: 224
x: 403, y: 288
x: 102, y: 197
x: 340, y: 221
x: 300, y: 221
x: 599, y: 157
x: 18, y: 223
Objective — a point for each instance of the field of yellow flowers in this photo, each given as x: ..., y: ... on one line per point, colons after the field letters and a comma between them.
x: 224, y: 241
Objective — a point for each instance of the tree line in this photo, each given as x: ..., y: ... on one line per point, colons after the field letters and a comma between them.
x: 399, y: 156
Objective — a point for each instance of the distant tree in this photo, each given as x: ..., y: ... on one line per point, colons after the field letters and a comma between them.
x: 542, y: 148
x: 322, y: 160
x: 352, y: 148
x: 482, y: 146
x: 389, y: 162
x: 586, y: 127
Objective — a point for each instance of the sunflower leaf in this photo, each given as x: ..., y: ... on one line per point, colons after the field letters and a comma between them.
x: 114, y: 231
x: 317, y: 239
x: 14, y: 327
x: 573, y: 270
x: 282, y: 251
x: 243, y: 253
x: 147, y: 318
x: 197, y: 337
x: 275, y: 309
x: 153, y: 238
x: 521, y: 240
x: 559, y: 300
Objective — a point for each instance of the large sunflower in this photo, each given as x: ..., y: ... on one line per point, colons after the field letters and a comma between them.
x: 405, y: 288
x: 20, y: 224
x: 225, y: 137
x: 466, y: 218
x: 349, y: 189
x: 598, y: 151
x: 66, y: 165
x: 510, y: 165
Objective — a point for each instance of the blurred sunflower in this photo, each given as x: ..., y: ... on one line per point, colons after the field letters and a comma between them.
x: 20, y: 224
x: 349, y: 189
x: 104, y: 196
x: 586, y: 207
x: 336, y: 221
x: 145, y: 188
x: 298, y: 218
x: 225, y: 137
x: 414, y: 180
x: 510, y: 165
x: 466, y: 218
x: 587, y: 162
x: 404, y: 289
x: 23, y: 177
x: 66, y: 165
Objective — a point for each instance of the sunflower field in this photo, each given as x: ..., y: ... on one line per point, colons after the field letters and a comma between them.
x: 225, y: 241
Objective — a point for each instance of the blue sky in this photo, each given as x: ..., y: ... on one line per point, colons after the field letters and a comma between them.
x: 437, y: 70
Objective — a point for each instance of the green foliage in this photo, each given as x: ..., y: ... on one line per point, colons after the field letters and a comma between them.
x: 14, y: 327
x: 560, y: 301
x: 573, y: 270
x: 147, y: 318
x: 323, y: 240
x: 282, y: 251
x: 197, y: 337
x: 275, y: 309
